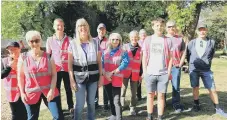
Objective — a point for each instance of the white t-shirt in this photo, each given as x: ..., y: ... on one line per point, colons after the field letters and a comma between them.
x: 200, y: 46
x: 156, y: 63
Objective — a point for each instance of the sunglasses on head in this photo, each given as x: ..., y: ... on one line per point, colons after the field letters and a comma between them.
x: 35, y: 41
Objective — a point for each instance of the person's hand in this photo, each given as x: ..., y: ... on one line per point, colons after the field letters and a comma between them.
x: 141, y: 78
x: 100, y: 81
x: 24, y: 98
x: 13, y: 64
x: 170, y: 76
x: 73, y: 85
x: 108, y: 75
x: 50, y: 95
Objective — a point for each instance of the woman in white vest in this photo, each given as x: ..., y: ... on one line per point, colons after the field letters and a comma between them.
x: 84, y: 68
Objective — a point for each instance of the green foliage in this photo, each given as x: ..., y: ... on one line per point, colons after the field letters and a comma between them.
x: 186, y: 14
x: 216, y: 18
x: 12, y: 14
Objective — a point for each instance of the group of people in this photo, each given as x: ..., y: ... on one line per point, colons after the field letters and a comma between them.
x: 85, y: 64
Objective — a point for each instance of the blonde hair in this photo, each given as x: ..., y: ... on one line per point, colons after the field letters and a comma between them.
x: 32, y: 33
x: 142, y: 31
x: 109, y: 46
x: 58, y: 19
x: 80, y: 22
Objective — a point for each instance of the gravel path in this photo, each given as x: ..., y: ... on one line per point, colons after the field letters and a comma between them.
x: 5, y: 109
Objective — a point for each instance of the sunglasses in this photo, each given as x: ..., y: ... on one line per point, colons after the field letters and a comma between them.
x: 201, y: 43
x: 170, y: 26
x: 35, y: 41
x: 115, y: 39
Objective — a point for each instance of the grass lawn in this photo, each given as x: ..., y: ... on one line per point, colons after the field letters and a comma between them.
x: 219, y: 68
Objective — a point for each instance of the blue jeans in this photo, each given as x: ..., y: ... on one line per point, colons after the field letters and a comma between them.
x: 176, y: 75
x: 33, y: 110
x: 88, y: 89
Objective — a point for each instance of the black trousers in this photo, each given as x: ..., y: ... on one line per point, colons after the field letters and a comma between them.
x: 65, y: 76
x: 18, y: 110
x: 97, y: 96
x: 139, y: 91
x: 114, y: 98
x: 107, y: 90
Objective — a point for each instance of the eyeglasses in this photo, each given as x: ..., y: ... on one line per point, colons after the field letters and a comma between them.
x: 201, y: 43
x: 115, y: 39
x: 34, y: 41
x: 81, y: 25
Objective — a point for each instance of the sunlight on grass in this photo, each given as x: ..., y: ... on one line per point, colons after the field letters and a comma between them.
x: 219, y: 68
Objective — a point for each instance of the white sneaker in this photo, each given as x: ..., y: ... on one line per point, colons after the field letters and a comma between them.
x: 132, y: 111
x: 112, y: 117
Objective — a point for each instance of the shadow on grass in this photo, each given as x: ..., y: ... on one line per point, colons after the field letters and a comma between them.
x: 207, y: 108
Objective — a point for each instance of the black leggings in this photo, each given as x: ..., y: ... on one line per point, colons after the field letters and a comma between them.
x: 18, y: 110
x: 114, y: 98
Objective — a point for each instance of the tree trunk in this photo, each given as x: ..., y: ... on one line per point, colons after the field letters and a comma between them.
x: 190, y: 30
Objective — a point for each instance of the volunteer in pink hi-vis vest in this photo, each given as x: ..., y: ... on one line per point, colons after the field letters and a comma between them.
x: 179, y: 54
x: 114, y: 60
x: 9, y: 76
x: 102, y: 40
x: 57, y: 46
x: 142, y: 36
x: 157, y: 65
x: 37, y: 78
x: 133, y: 72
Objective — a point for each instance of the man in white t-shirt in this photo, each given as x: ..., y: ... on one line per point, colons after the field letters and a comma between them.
x: 157, y: 63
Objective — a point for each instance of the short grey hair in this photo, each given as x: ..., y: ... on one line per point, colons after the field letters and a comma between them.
x: 142, y: 31
x: 32, y: 33
x: 134, y: 32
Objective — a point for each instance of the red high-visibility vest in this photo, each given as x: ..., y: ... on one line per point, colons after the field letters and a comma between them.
x: 176, y: 53
x: 60, y: 53
x: 37, y: 78
x: 134, y: 64
x: 10, y: 84
x: 111, y: 63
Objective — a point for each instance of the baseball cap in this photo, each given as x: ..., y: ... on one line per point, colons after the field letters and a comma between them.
x: 13, y: 44
x: 101, y: 25
x: 171, y: 23
x: 201, y: 25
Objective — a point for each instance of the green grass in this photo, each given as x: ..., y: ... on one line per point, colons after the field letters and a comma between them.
x: 219, y: 68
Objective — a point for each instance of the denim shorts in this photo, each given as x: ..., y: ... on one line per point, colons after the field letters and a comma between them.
x: 157, y: 83
x: 207, y: 78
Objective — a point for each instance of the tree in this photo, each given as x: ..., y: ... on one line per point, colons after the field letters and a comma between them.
x: 186, y: 14
x: 215, y: 17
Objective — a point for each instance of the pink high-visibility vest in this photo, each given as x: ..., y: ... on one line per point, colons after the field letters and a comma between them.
x: 10, y: 83
x: 37, y: 78
x: 134, y: 64
x: 176, y: 52
x: 111, y: 63
x: 59, y: 52
x: 166, y: 51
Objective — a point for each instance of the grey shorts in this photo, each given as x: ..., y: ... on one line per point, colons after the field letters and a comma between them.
x: 157, y: 83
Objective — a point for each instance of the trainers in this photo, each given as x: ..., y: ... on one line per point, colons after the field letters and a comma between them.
x: 196, y: 108
x: 71, y: 110
x: 220, y: 112
x: 178, y: 108
x: 149, y: 118
x: 97, y: 106
x: 132, y: 111
x: 106, y: 107
x: 112, y: 117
